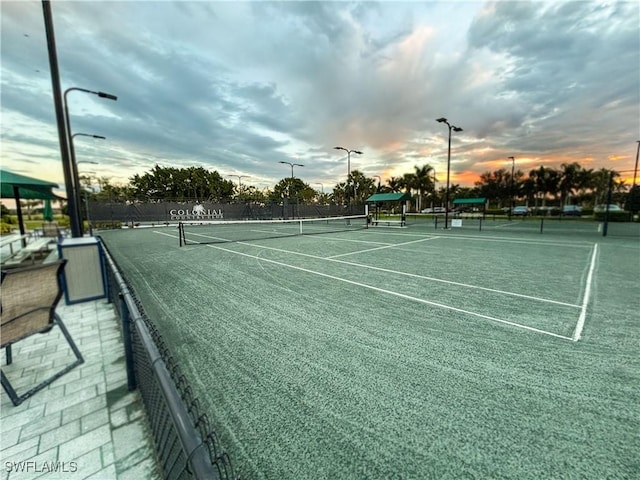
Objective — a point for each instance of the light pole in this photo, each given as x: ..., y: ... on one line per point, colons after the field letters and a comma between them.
x: 290, y: 181
x: 292, y: 165
x: 635, y: 170
x: 75, y: 215
x: 322, y: 187
x: 63, y: 139
x: 513, y: 165
x: 435, y: 187
x: 78, y: 196
x: 446, y: 200
x: 349, y: 152
x: 86, y: 196
x: 239, y: 177
x: 379, y: 181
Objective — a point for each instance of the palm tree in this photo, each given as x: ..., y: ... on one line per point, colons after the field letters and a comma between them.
x: 571, y: 180
x: 423, y: 182
x: 545, y: 181
x: 395, y: 184
x: 495, y: 186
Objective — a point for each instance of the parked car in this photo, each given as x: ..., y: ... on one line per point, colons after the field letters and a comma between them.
x: 572, y: 211
x: 612, y: 208
x: 433, y: 210
x: 520, y: 211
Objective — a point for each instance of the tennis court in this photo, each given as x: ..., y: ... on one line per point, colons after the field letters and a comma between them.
x: 403, y: 352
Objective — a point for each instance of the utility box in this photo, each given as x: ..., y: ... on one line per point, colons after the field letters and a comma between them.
x: 84, y: 277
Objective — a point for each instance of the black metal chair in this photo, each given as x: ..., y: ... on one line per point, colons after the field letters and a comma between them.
x: 28, y: 302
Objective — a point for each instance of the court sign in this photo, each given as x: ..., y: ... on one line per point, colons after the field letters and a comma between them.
x: 197, y: 212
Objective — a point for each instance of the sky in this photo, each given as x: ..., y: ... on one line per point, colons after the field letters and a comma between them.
x: 239, y: 87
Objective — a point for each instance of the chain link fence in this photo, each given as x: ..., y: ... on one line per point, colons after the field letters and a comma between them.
x: 186, y: 445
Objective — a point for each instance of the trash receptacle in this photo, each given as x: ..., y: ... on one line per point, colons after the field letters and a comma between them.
x: 84, y: 277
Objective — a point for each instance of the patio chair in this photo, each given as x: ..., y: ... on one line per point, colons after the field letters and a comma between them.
x: 51, y: 230
x: 28, y: 301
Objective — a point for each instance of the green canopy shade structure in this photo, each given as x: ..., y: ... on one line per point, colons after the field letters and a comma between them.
x: 470, y: 201
x: 389, y: 197
x: 19, y: 187
x: 28, y: 188
x: 378, y: 198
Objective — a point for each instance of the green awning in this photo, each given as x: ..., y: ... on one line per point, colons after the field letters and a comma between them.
x: 28, y: 188
x: 389, y: 197
x: 469, y: 201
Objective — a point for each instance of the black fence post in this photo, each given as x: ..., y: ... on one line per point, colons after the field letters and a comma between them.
x: 128, y: 343
x: 541, y: 224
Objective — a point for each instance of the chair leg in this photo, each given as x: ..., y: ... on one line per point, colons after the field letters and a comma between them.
x: 18, y: 399
x: 7, y: 351
x: 10, y: 391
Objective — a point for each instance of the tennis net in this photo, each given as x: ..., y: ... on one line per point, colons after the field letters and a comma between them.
x: 223, y: 231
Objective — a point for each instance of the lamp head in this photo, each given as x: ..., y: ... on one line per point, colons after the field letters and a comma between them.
x: 357, y: 151
x: 456, y: 129
x: 107, y: 95
x: 441, y: 120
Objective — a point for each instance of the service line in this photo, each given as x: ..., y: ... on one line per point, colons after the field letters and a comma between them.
x: 390, y: 292
x: 396, y: 272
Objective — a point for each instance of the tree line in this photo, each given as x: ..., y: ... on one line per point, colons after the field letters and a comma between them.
x: 570, y: 184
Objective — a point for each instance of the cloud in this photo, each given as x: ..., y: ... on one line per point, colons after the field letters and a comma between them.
x: 239, y: 86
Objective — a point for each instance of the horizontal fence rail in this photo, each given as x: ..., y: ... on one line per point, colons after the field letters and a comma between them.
x: 186, y: 446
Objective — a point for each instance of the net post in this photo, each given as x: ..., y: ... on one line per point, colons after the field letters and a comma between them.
x: 180, y: 233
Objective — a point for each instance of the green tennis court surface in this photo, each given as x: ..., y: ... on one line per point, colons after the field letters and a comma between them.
x: 404, y: 352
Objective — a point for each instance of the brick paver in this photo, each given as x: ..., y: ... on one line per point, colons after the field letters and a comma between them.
x: 86, y: 424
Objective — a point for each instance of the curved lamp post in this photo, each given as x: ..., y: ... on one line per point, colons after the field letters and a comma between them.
x: 379, y: 181
x: 239, y: 177
x: 291, y: 181
x: 75, y: 215
x: 78, y: 196
x: 446, y: 200
x: 292, y: 165
x: 86, y: 196
x: 349, y: 152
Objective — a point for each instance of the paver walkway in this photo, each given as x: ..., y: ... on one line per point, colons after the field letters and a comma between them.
x: 86, y: 424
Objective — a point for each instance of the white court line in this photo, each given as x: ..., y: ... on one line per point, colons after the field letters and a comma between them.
x: 380, y: 248
x: 587, y: 295
x: 415, y: 275
x: 405, y: 274
x: 447, y: 307
x: 396, y: 294
x: 490, y: 239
